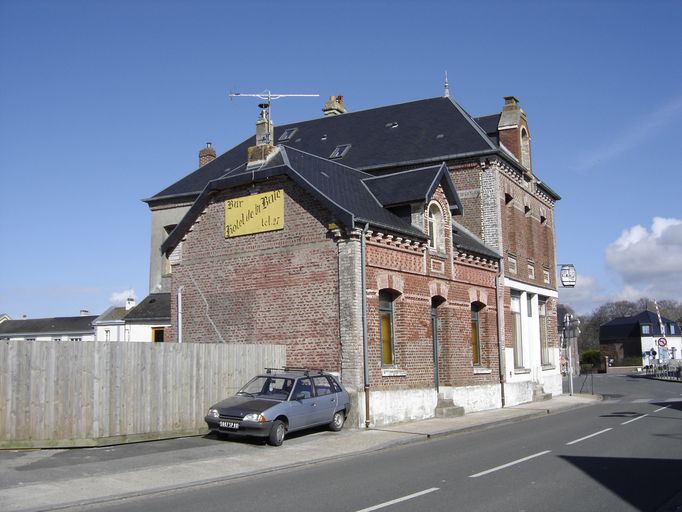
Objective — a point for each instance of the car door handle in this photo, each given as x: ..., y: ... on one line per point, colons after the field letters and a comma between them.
x: 314, y: 404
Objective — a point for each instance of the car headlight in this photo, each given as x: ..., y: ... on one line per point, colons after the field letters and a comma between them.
x: 214, y: 413
x: 254, y: 417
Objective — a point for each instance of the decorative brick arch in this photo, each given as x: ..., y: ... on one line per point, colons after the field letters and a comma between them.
x: 438, y: 289
x: 478, y: 295
x: 390, y: 281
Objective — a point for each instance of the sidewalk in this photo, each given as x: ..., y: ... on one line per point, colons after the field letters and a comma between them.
x: 106, y: 484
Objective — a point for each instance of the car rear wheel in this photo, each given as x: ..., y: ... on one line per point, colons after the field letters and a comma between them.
x: 337, y: 421
x: 277, y: 432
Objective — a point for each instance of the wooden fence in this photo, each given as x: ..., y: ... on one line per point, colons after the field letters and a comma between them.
x: 95, y: 393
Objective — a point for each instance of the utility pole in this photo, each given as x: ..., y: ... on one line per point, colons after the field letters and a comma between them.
x: 268, y: 97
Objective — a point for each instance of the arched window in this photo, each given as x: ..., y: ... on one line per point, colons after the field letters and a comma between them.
x: 436, y: 237
x: 525, y: 148
x: 476, y: 308
x: 387, y: 331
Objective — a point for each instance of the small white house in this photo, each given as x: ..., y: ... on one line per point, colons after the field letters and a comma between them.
x: 148, y: 320
x: 110, y: 325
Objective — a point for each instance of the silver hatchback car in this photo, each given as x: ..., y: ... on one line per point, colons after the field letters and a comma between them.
x: 281, y: 401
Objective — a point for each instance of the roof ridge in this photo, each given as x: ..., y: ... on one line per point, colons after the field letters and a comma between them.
x: 473, y: 124
x: 350, y: 113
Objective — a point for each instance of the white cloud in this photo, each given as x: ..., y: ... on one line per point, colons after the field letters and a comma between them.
x: 585, y: 297
x: 649, y: 261
x: 638, y: 133
x: 119, y: 298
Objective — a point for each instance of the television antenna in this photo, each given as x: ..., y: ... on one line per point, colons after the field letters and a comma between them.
x: 268, y: 97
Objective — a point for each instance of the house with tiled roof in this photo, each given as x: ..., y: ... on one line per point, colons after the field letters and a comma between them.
x: 409, y: 248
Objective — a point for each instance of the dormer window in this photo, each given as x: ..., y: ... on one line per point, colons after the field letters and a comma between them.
x: 339, y: 151
x: 288, y: 134
x: 436, y: 234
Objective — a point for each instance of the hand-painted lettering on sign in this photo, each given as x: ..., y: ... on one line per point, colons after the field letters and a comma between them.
x: 256, y: 213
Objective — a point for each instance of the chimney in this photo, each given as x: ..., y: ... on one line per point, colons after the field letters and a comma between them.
x: 85, y: 312
x: 130, y: 302
x: 514, y: 134
x: 334, y: 106
x: 265, y: 135
x: 206, y: 155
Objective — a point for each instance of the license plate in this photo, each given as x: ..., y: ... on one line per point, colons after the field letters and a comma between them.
x: 229, y: 424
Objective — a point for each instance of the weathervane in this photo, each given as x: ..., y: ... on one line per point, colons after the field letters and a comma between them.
x: 269, y: 97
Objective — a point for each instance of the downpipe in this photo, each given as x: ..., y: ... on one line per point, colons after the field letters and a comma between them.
x: 499, y: 289
x: 365, y: 348
x: 180, y: 313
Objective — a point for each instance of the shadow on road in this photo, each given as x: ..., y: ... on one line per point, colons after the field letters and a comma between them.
x: 646, y: 484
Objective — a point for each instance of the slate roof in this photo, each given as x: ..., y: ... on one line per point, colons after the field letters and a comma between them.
x: 413, y: 186
x: 423, y: 131
x: 340, y: 188
x: 46, y: 326
x: 114, y: 313
x: 466, y: 241
x: 155, y: 307
x: 489, y: 125
x: 630, y: 326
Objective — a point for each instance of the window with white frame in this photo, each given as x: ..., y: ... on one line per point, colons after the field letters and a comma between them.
x: 544, y: 341
x: 517, y: 333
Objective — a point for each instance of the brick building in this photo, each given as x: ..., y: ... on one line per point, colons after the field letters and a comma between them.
x: 436, y: 215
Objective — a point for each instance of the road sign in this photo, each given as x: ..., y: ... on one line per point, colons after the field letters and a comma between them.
x: 662, y: 342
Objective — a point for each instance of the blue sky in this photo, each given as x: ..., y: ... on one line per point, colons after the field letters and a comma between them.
x: 104, y: 103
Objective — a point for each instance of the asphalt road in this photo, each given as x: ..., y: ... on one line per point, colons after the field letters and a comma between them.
x: 621, y: 455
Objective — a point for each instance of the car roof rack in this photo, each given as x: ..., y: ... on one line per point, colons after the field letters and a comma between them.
x: 306, y: 371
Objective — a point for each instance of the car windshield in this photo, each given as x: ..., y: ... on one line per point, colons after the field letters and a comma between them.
x: 266, y: 386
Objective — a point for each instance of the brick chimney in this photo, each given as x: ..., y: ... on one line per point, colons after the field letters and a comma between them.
x: 334, y: 106
x: 265, y: 134
x: 206, y: 155
x: 514, y: 132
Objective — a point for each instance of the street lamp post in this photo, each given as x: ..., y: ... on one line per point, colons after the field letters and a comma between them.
x: 568, y: 279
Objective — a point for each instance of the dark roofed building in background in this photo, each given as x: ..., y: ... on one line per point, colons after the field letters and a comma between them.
x: 408, y: 247
x: 640, y: 340
x: 68, y: 328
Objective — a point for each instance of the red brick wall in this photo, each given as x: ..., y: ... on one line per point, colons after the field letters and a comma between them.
x: 277, y: 287
x: 409, y: 272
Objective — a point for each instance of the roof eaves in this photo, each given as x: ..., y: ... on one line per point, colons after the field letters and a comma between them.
x: 408, y: 230
x: 435, y: 159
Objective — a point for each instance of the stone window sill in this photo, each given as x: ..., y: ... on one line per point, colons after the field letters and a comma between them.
x: 481, y: 370
x: 546, y: 367
x: 393, y: 372
x: 521, y: 371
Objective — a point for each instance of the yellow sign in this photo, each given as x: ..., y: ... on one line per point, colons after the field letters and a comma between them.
x: 257, y: 213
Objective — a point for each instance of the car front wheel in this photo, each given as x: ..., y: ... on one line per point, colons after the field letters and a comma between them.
x: 337, y: 421
x: 276, y: 437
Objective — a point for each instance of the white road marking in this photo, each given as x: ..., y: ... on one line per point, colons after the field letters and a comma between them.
x: 404, y: 498
x: 659, y: 410
x: 635, y: 419
x: 509, y: 464
x: 587, y: 437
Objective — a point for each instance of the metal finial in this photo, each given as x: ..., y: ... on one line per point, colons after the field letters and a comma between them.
x: 446, y: 93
